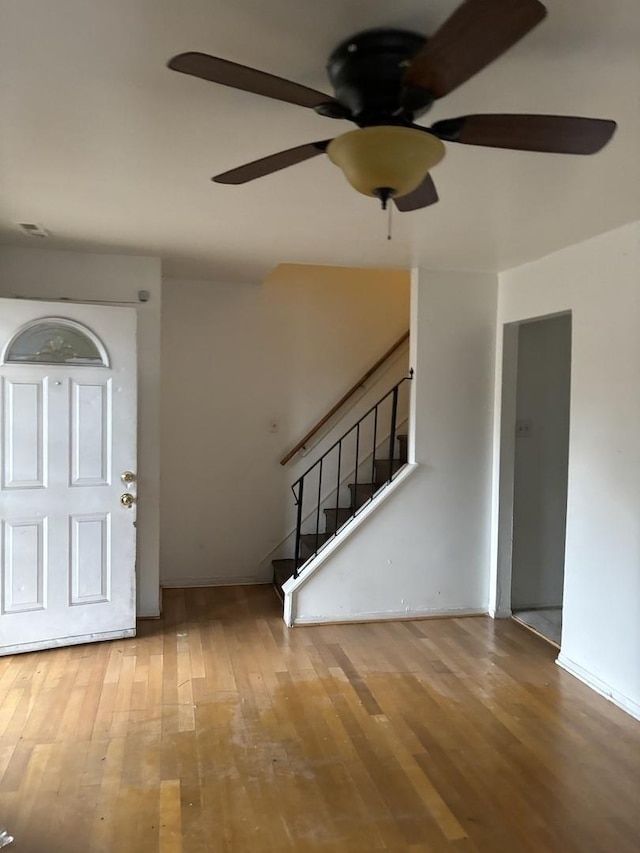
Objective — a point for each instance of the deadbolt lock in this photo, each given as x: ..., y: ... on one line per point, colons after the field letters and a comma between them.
x: 128, y: 477
x: 127, y: 500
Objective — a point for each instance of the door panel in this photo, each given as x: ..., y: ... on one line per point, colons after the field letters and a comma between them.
x: 67, y: 566
x: 90, y: 558
x: 25, y: 430
x: 90, y: 433
x: 24, y: 564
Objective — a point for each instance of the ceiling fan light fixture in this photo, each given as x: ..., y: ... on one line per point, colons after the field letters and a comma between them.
x: 386, y: 158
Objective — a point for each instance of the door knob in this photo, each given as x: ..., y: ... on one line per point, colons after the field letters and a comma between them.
x: 127, y: 500
x: 128, y: 477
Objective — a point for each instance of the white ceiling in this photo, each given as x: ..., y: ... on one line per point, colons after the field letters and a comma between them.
x: 107, y: 149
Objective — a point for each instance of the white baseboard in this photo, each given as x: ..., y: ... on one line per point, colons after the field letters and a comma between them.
x: 387, y: 616
x: 148, y: 614
x: 188, y: 583
x: 628, y: 705
x: 80, y: 639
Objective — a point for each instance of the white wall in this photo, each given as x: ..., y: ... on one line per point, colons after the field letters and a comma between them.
x: 541, y: 459
x: 425, y: 550
x: 234, y: 358
x: 599, y: 282
x: 79, y: 276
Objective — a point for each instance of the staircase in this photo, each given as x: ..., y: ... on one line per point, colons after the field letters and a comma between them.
x: 336, y: 517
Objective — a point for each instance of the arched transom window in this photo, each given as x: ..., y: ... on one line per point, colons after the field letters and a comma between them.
x: 55, y: 340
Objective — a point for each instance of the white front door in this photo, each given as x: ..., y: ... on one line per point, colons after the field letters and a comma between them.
x: 67, y: 515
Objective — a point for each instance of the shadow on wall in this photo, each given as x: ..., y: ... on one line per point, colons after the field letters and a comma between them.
x: 246, y: 371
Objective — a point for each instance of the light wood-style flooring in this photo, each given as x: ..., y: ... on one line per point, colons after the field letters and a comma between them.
x: 217, y: 729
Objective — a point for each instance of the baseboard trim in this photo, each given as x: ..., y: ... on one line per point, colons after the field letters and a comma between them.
x: 80, y: 639
x: 623, y: 702
x: 149, y: 614
x: 391, y: 616
x: 189, y: 583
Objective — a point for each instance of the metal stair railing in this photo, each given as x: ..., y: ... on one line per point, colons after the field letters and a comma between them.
x: 364, y: 438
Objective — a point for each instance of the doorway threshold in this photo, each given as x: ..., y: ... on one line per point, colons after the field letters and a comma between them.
x: 546, y: 622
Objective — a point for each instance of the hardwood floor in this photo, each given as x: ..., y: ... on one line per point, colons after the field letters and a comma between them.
x: 217, y: 729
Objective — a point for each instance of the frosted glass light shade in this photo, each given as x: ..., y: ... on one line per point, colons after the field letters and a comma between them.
x: 397, y: 158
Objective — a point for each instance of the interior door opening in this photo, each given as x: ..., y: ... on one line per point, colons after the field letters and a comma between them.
x: 540, y: 473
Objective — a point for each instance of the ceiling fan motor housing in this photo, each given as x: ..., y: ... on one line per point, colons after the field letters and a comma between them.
x: 367, y: 73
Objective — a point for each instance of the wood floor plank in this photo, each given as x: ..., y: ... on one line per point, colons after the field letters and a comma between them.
x: 106, y: 824
x: 171, y: 817
x: 218, y: 728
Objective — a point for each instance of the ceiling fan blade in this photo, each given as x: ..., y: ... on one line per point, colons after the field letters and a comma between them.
x: 248, y: 79
x: 555, y: 134
x: 423, y: 196
x: 478, y: 32
x: 272, y: 163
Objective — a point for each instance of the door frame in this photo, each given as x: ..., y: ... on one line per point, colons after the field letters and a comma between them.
x: 502, y: 564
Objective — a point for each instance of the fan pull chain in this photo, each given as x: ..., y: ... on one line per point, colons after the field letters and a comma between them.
x: 389, y: 222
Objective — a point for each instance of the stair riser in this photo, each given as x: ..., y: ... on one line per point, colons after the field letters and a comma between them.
x: 282, y: 571
x: 383, y: 469
x: 309, y: 541
x: 334, y: 519
x: 361, y: 494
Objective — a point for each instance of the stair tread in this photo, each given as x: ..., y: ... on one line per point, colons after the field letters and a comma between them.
x: 337, y: 517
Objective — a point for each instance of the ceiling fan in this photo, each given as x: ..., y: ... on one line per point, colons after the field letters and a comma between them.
x: 384, y: 79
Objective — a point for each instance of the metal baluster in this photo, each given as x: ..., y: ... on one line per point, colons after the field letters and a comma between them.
x: 296, y: 559
x: 338, y: 486
x: 319, y: 502
x: 375, y: 438
x: 392, y: 437
x: 355, y: 488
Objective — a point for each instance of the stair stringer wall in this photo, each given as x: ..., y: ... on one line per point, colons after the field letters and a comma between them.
x: 293, y: 587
